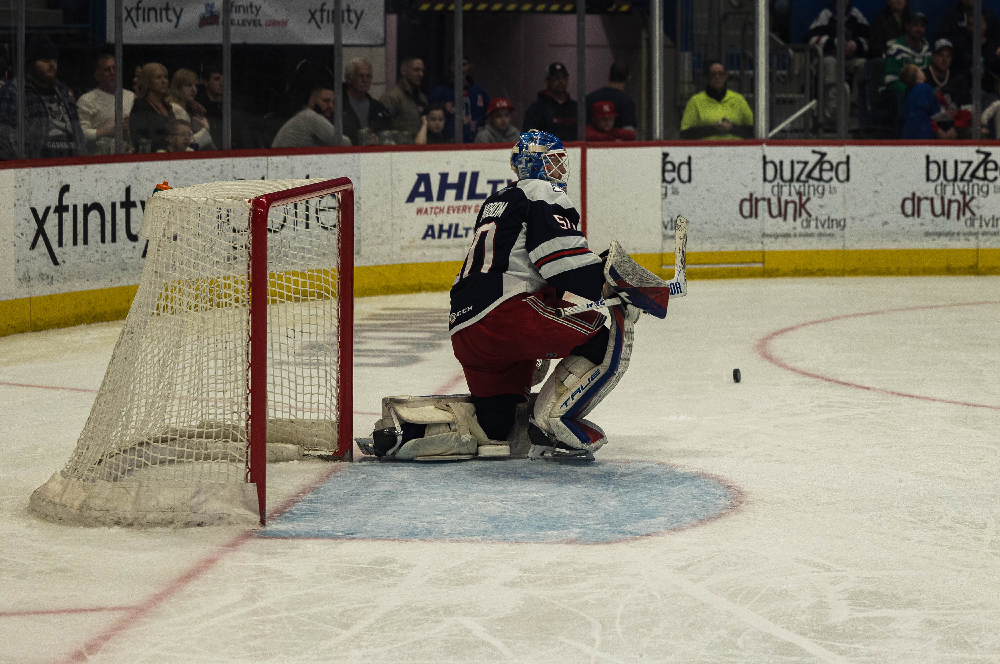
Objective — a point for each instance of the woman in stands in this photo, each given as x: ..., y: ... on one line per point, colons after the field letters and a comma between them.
x: 183, y: 90
x: 151, y: 112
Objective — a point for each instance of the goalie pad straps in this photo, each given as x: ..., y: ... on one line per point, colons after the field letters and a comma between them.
x: 577, y: 385
x: 634, y: 283
x: 458, y: 438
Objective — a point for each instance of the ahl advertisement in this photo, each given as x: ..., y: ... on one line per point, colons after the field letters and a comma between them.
x: 260, y: 22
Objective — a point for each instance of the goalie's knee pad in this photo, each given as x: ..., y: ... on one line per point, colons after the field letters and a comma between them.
x: 577, y: 385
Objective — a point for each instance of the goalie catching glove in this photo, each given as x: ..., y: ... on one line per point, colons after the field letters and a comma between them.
x: 634, y: 284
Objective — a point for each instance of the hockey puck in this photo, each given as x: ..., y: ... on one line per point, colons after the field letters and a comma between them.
x: 736, y: 375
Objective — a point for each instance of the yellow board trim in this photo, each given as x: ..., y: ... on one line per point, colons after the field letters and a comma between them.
x: 44, y: 312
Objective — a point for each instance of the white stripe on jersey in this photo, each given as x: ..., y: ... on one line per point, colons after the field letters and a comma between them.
x: 540, y: 190
x: 566, y: 263
x: 556, y: 244
x: 520, y: 266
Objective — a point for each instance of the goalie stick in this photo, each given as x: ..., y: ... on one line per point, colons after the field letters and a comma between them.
x: 677, y: 285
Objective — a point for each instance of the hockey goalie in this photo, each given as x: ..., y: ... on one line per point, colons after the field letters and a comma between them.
x: 530, y: 291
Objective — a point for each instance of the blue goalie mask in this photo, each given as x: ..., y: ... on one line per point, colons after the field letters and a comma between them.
x: 540, y: 156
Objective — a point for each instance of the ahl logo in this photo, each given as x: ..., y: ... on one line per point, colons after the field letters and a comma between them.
x: 209, y: 16
x: 423, y: 188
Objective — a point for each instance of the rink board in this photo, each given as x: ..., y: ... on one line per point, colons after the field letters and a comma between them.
x: 505, y: 501
x: 755, y: 209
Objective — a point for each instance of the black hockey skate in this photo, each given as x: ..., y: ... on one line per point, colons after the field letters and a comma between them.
x: 545, y: 447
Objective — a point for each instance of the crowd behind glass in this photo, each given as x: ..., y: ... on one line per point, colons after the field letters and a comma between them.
x: 922, y: 91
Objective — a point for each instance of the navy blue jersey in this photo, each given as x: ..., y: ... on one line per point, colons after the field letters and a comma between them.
x: 527, y: 236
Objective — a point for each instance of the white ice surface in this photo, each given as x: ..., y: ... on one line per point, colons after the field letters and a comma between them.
x: 869, y: 532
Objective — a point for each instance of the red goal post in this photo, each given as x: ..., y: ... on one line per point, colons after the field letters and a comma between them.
x: 260, y: 209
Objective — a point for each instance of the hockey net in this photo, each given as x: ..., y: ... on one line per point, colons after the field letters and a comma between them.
x: 238, y: 276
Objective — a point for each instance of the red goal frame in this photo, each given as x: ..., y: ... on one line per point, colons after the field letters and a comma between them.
x: 257, y: 278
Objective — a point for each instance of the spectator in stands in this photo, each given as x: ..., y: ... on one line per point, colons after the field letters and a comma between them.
x: 183, y: 97
x: 432, y: 128
x: 151, y: 110
x: 474, y: 97
x: 823, y: 33
x: 406, y: 103
x: 97, y: 107
x: 919, y: 107
x: 888, y: 25
x: 952, y: 92
x: 990, y: 125
x: 717, y: 113
x: 210, y: 98
x: 554, y: 111
x: 4, y: 70
x: 603, y: 126
x: 989, y: 52
x: 311, y: 127
x: 498, y: 128
x: 911, y: 49
x: 614, y: 92
x: 956, y: 27
x: 364, y: 117
x: 179, y: 136
x: 52, y: 127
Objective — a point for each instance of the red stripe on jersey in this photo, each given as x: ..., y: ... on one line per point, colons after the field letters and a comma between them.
x: 561, y: 254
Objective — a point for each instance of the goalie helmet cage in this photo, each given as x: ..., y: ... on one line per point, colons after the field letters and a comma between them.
x: 239, y: 337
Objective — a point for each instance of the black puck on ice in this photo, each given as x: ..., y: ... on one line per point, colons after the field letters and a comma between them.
x: 736, y: 375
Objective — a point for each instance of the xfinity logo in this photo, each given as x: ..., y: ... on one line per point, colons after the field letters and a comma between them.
x: 165, y: 13
x: 324, y: 15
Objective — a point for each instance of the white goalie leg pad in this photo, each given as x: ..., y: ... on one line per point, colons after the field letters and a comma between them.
x: 577, y: 385
x: 451, y: 429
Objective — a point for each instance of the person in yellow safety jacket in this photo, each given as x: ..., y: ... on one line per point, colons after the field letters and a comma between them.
x: 717, y: 113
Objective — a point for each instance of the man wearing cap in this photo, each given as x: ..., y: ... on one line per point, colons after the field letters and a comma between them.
x: 52, y: 128
x: 554, y: 112
x: 603, y: 126
x: 498, y: 128
x: 910, y: 49
x: 717, y: 113
x: 952, y: 91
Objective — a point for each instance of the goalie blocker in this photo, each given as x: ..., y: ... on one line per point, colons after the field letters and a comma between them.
x: 551, y: 425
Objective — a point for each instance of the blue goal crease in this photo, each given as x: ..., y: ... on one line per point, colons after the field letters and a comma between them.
x: 505, y: 501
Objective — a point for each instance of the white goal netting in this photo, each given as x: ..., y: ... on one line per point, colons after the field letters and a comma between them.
x: 167, y: 441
